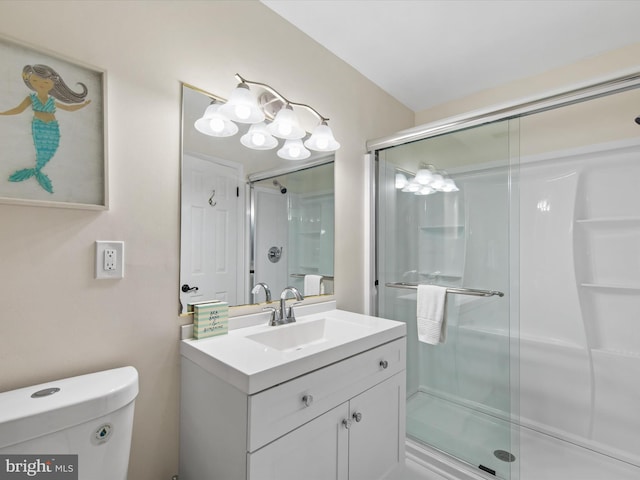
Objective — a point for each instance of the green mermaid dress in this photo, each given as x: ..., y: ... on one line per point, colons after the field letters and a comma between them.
x: 46, y: 138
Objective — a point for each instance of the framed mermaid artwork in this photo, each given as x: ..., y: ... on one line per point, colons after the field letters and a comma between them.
x: 52, y: 130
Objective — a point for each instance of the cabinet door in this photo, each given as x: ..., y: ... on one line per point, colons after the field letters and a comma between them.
x: 376, y: 436
x: 318, y: 450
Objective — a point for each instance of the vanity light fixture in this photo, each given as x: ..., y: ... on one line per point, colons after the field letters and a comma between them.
x: 242, y: 107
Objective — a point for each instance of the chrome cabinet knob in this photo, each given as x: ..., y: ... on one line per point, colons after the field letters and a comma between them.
x: 307, y: 400
x: 346, y: 423
x: 384, y: 364
x: 357, y: 416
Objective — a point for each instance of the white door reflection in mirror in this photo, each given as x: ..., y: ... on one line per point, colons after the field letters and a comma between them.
x: 211, y: 240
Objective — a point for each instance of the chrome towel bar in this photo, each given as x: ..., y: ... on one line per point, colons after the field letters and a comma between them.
x: 457, y: 290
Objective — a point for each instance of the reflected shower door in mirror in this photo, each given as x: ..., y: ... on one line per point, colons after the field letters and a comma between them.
x: 292, y: 224
x: 220, y: 223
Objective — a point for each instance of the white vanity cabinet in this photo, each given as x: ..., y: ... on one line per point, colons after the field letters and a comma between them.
x: 343, y: 421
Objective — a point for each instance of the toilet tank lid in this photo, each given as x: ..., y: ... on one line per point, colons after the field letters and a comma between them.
x: 79, y: 399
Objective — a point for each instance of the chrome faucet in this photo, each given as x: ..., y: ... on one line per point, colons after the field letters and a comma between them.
x: 286, y: 314
x: 267, y: 290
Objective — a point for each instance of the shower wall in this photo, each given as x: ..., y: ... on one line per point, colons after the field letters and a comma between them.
x: 580, y: 296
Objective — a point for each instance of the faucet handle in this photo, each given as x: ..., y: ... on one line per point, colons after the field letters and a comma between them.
x: 272, y: 318
x: 291, y: 316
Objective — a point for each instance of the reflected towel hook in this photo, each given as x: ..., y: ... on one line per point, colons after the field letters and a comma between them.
x: 211, y: 202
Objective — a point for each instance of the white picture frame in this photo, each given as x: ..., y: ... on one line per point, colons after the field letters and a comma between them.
x: 53, y: 137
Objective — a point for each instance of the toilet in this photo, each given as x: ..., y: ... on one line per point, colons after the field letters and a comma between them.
x: 90, y: 416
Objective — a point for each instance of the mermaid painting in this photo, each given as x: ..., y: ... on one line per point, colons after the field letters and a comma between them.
x: 48, y: 87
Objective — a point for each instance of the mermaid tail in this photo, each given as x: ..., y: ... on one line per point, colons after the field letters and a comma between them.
x: 25, y: 173
x: 46, y: 138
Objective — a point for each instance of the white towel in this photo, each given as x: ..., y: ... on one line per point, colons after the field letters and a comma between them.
x: 431, y: 314
x: 313, y: 285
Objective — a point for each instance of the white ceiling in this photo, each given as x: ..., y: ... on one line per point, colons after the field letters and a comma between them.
x: 427, y: 52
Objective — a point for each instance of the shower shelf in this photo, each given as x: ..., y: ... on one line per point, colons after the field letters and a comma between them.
x: 442, y: 227
x: 609, y: 220
x: 635, y: 288
x: 453, y: 276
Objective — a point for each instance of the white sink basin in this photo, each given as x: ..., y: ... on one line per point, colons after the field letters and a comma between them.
x: 257, y: 357
x: 296, y: 336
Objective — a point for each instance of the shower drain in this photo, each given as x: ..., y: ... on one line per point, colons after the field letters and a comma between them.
x: 504, y: 456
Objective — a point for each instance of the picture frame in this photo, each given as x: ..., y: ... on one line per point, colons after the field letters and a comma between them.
x: 53, y: 130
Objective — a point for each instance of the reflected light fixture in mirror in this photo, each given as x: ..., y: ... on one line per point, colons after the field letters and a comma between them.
x: 243, y: 107
x: 426, y: 181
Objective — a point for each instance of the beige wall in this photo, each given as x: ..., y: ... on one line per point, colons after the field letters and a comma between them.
x: 590, y: 69
x: 55, y: 319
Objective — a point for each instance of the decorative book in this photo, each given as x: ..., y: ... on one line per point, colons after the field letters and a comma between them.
x: 210, y: 319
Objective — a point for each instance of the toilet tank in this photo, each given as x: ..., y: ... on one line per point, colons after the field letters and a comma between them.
x: 90, y: 416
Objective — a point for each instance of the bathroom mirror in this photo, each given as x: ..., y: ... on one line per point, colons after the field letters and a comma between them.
x: 250, y: 217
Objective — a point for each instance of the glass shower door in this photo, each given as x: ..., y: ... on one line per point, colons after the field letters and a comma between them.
x: 443, y: 219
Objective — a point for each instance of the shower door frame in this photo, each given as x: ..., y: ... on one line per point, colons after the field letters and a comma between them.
x: 507, y: 111
x: 587, y: 91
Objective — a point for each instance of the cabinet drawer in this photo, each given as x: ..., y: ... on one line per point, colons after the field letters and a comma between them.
x: 274, y: 412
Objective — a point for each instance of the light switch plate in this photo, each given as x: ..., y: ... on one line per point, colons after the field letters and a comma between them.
x: 109, y: 259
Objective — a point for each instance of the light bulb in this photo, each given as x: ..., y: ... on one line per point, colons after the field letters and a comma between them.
x: 321, y: 139
x: 217, y: 125
x: 258, y: 139
x: 242, y: 106
x: 323, y: 143
x: 294, y: 152
x: 285, y: 125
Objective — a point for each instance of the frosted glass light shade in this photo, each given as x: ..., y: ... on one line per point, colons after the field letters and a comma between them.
x: 425, y: 190
x: 322, y: 140
x: 424, y: 176
x: 401, y: 181
x: 258, y: 138
x: 412, y: 187
x: 214, y: 123
x: 293, y: 150
x: 242, y: 106
x: 449, y: 186
x: 437, y: 182
x: 286, y: 125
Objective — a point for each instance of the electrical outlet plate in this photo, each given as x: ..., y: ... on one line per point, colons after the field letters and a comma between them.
x: 109, y: 259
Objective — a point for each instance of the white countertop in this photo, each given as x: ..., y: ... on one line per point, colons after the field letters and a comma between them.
x: 252, y: 367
